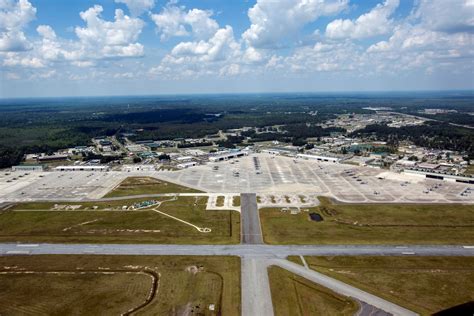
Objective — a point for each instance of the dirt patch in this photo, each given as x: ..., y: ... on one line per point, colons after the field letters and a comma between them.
x: 193, y: 269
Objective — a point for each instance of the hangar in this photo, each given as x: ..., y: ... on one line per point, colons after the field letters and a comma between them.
x: 82, y: 168
x: 227, y: 156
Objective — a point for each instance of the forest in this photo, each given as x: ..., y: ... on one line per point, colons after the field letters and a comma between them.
x: 49, y: 124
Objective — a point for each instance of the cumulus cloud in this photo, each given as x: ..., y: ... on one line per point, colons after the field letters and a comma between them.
x: 220, y: 46
x: 12, y: 59
x: 272, y: 22
x: 97, y: 40
x: 176, y: 21
x: 14, y: 17
x: 376, y: 22
x: 110, y: 39
x: 138, y: 7
x: 453, y: 16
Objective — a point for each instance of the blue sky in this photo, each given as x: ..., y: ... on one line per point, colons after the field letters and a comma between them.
x: 127, y: 47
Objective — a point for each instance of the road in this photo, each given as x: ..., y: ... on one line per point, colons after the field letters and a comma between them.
x: 250, y: 220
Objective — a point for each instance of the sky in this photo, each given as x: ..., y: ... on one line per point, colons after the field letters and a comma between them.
x: 152, y: 47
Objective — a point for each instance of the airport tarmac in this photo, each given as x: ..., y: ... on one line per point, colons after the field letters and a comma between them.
x: 279, y: 175
x: 57, y: 185
x: 276, y: 176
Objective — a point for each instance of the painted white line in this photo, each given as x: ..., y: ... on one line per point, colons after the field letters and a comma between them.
x: 468, y: 247
x: 18, y: 252
x: 408, y: 253
x: 27, y: 245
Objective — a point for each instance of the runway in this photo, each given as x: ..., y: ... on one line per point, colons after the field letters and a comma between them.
x: 241, y: 250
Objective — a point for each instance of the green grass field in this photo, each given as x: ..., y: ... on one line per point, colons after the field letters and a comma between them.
x: 147, y: 185
x: 236, y: 200
x: 423, y: 284
x: 26, y: 223
x: 371, y: 224
x: 220, y: 201
x: 294, y: 295
x: 112, y: 285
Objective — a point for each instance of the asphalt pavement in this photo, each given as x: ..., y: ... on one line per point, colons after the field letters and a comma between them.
x: 263, y: 251
x: 250, y: 219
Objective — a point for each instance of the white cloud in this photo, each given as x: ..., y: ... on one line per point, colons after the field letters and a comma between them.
x: 14, y: 17
x: 230, y: 70
x: 273, y: 22
x: 138, y: 7
x: 220, y: 46
x: 451, y: 16
x: 205, y: 57
x: 110, y: 39
x: 176, y: 21
x: 98, y: 40
x: 13, y: 59
x: 376, y: 22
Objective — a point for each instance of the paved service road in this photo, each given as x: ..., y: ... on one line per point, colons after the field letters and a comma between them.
x: 250, y: 219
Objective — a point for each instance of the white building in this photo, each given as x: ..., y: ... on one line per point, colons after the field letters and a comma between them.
x: 27, y: 168
x: 186, y: 165
x: 319, y: 158
x: 82, y: 168
x: 129, y: 168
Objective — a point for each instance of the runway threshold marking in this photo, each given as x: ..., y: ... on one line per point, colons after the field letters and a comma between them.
x: 18, y: 252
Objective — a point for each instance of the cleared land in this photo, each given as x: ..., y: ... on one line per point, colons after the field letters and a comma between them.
x: 99, y: 285
x: 39, y: 222
x: 294, y: 295
x: 147, y: 185
x: 423, y: 284
x: 371, y: 224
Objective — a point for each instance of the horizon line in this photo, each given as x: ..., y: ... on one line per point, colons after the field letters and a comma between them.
x: 355, y: 92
